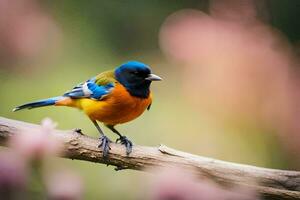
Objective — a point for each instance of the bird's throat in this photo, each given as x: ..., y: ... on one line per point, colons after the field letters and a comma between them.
x: 139, y: 90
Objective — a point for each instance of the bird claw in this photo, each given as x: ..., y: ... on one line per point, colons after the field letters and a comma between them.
x: 104, y: 145
x: 126, y: 142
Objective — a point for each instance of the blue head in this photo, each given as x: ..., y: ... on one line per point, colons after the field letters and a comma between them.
x: 136, y: 77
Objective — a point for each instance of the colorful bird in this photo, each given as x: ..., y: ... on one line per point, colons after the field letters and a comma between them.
x: 112, y: 97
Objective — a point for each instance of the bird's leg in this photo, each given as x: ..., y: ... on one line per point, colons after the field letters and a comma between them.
x: 123, y: 139
x: 105, y: 141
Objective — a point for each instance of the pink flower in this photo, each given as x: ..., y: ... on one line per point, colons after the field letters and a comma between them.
x: 13, y: 175
x: 64, y: 185
x: 24, y: 25
x: 176, y: 183
x: 236, y: 67
x: 35, y: 144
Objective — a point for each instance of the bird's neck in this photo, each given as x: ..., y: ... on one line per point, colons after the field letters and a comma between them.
x: 139, y: 90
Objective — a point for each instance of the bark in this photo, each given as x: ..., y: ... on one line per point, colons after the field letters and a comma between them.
x: 269, y: 183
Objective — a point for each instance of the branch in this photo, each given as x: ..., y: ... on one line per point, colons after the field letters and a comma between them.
x: 270, y: 183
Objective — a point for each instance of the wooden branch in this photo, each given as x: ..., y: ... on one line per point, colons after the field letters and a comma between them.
x: 270, y: 183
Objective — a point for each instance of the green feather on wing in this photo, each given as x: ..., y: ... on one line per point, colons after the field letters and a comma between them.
x: 105, y: 78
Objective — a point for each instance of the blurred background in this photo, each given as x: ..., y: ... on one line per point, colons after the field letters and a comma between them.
x: 230, y: 69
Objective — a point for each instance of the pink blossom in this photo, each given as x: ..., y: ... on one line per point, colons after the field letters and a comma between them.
x: 64, y: 185
x: 13, y: 175
x: 236, y: 67
x: 177, y: 183
x: 26, y: 30
x: 35, y: 144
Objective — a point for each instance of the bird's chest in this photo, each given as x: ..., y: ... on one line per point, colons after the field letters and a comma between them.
x: 119, y: 107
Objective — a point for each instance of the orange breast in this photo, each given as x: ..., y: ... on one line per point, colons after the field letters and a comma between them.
x: 118, y: 107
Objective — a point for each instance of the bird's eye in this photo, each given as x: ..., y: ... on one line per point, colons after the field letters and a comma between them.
x: 135, y: 72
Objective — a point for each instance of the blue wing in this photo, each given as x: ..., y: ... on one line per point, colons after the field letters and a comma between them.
x: 89, y: 89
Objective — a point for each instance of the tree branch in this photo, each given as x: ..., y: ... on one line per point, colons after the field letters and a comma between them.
x: 270, y: 183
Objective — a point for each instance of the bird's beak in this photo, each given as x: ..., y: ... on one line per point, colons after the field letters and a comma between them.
x: 153, y: 77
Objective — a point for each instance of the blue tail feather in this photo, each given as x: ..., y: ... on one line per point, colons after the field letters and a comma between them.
x: 40, y: 103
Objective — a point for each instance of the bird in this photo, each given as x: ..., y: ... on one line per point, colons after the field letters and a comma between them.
x: 112, y: 97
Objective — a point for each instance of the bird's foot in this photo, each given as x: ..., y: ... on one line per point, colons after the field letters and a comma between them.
x: 104, y: 145
x: 78, y: 130
x: 126, y: 142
